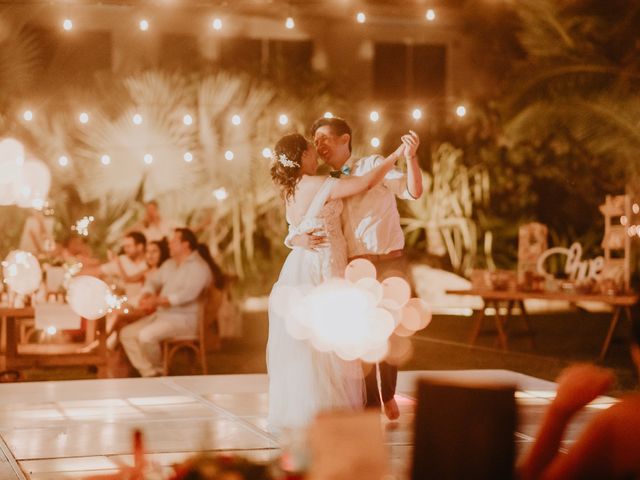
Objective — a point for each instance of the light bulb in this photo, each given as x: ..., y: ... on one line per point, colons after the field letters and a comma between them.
x: 27, y: 115
x: 236, y: 120
x: 105, y: 159
x: 188, y: 157
x: 374, y: 116
x: 328, y: 115
x: 375, y: 142
x: 290, y: 23
x: 361, y: 17
x: 187, y: 119
x: 63, y: 161
x: 266, y: 152
x: 144, y: 25
x: 430, y: 15
x: 216, y: 24
x: 220, y: 194
x: 148, y: 158
x: 228, y: 155
x: 461, y: 111
x: 416, y: 114
x: 137, y: 119
x: 67, y: 24
x: 283, y: 119
x: 84, y: 117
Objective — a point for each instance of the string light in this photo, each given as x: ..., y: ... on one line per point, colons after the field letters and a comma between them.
x: 137, y: 119
x: 266, y: 152
x: 461, y: 111
x: 187, y: 119
x: 144, y: 25
x: 220, y: 194
x: 188, y: 157
x: 148, y: 158
x: 375, y: 142
x: 328, y: 115
x: 52, y: 330
x: 84, y: 117
x: 361, y: 17
x: 283, y: 119
x: 216, y: 24
x: 27, y: 115
x: 374, y: 116
x: 623, y: 220
x: 105, y: 159
x: 63, y: 161
x: 430, y: 15
x: 67, y: 24
x: 635, y: 207
x: 228, y: 155
x: 290, y: 23
x: 416, y: 114
x: 236, y: 120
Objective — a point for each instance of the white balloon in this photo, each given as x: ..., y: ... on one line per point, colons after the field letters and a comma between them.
x: 87, y: 296
x: 33, y: 187
x: 11, y: 165
x: 21, y: 271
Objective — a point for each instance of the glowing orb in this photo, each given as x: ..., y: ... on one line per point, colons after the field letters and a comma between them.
x: 22, y: 273
x: 88, y: 297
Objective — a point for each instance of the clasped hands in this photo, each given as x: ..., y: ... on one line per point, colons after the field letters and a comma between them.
x: 151, y: 302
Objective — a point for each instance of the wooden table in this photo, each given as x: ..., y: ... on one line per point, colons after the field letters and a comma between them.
x: 19, y: 356
x: 493, y: 298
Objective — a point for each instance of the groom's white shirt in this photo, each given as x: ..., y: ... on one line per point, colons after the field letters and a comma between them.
x: 370, y: 220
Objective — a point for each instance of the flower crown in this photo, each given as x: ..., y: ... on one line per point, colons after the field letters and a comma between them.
x: 285, y: 162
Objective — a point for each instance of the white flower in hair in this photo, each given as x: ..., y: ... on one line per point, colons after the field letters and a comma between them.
x: 284, y: 161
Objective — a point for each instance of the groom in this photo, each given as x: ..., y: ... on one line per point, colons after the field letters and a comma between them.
x: 371, y: 225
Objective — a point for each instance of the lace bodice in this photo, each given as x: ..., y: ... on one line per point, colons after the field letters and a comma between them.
x: 326, y: 216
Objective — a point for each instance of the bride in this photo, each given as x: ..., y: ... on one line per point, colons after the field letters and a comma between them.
x: 302, y: 380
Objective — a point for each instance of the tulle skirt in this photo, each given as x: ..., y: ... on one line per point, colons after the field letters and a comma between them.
x: 302, y: 380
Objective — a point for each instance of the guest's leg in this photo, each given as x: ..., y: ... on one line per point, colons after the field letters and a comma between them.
x: 164, y: 326
x: 371, y: 386
x: 133, y: 348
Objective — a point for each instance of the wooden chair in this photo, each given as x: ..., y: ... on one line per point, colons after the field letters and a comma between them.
x: 206, y: 337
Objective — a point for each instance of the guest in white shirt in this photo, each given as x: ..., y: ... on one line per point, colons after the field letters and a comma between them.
x: 172, y: 295
x: 37, y: 234
x: 153, y: 225
x: 371, y: 225
x: 126, y: 267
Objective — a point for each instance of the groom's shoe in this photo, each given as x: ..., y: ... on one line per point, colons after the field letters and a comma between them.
x: 391, y: 409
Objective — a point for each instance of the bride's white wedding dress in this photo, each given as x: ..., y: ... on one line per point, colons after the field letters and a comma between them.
x: 303, y: 381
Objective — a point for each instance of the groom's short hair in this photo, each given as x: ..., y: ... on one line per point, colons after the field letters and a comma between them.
x: 339, y: 126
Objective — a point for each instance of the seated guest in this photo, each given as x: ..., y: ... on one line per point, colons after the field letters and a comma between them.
x: 609, y: 446
x: 156, y: 254
x: 37, y: 234
x: 153, y: 225
x: 127, y: 266
x: 172, y: 295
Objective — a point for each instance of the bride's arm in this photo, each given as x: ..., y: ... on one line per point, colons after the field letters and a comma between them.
x: 348, y: 186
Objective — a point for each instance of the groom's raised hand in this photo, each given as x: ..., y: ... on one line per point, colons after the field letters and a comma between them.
x: 312, y: 240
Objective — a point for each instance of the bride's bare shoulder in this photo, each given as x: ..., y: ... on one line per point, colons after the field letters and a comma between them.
x: 311, y: 181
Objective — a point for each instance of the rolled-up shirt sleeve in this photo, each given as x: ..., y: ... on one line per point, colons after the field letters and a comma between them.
x: 395, y: 180
x: 197, y: 277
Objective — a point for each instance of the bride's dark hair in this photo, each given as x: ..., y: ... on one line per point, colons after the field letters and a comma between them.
x: 287, y: 162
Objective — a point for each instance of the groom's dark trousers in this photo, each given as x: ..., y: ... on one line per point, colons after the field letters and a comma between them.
x: 393, y: 264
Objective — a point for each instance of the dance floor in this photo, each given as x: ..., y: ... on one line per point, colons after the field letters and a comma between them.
x: 71, y: 429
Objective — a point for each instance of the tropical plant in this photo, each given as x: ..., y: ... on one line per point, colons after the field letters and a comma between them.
x: 444, y: 216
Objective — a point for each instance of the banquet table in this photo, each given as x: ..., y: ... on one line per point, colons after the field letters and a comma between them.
x: 515, y: 298
x: 33, y: 355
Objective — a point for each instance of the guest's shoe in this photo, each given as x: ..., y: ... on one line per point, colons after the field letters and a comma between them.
x: 391, y: 409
